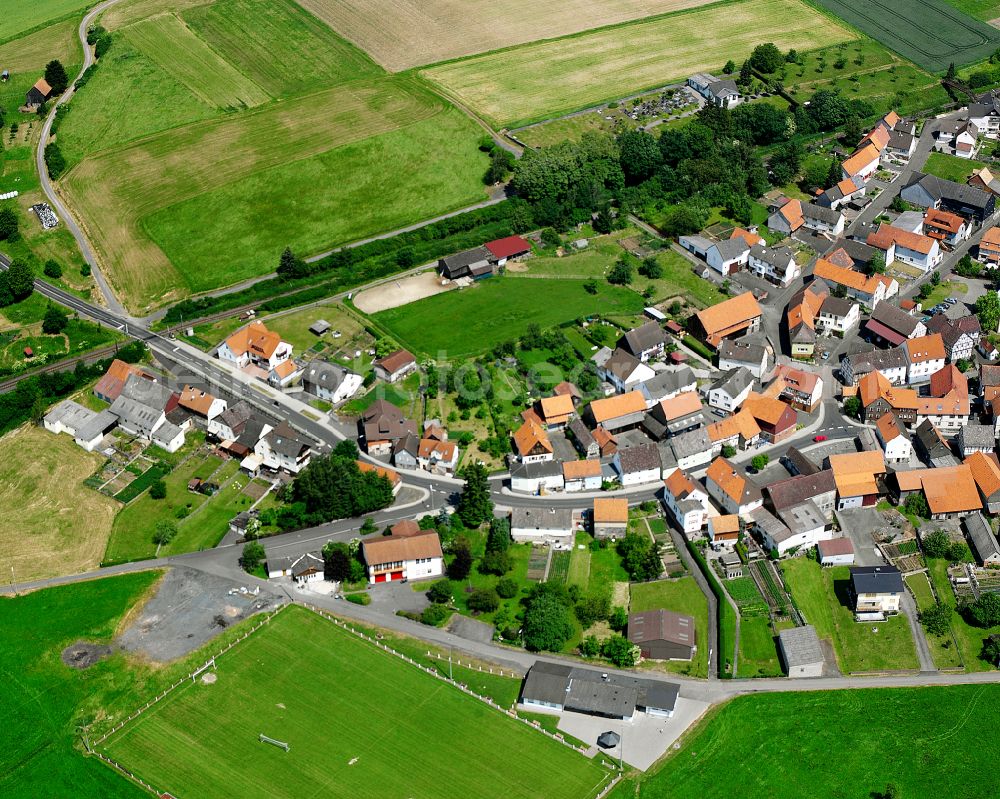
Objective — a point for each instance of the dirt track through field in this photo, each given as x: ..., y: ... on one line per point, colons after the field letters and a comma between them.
x: 400, y: 34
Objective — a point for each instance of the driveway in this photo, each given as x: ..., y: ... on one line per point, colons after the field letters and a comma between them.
x: 858, y: 523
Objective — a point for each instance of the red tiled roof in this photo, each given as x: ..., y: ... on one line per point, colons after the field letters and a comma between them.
x: 508, y: 247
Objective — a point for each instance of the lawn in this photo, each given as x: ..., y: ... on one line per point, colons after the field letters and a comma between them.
x: 405, y: 33
x: 462, y: 323
x: 758, y: 649
x: 396, y: 713
x: 940, y: 742
x: 294, y: 327
x: 44, y: 701
x: 821, y: 596
x: 951, y: 167
x: 930, y: 33
x: 21, y: 17
x: 33, y: 52
x: 944, y: 650
x: 970, y: 639
x: 683, y: 596
x: 55, y: 524
x: 524, y: 84
x: 944, y: 290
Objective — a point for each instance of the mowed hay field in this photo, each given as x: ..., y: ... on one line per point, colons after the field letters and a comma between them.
x: 360, y: 723
x: 21, y: 16
x: 213, y: 136
x: 53, y: 523
x: 34, y: 51
x: 400, y: 34
x: 543, y: 80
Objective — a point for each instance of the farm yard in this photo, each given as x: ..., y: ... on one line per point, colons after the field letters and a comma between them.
x: 536, y: 81
x: 365, y: 690
x: 400, y: 34
x: 931, y: 33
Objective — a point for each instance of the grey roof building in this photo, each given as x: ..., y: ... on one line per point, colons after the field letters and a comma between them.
x: 165, y: 434
x: 729, y: 249
x: 583, y: 439
x: 734, y: 382
x: 644, y: 339
x: 470, y: 263
x: 793, y: 491
x: 638, y: 459
x: 797, y: 462
x: 984, y: 543
x: 931, y: 447
x: 976, y: 438
x: 931, y: 191
x: 896, y: 320
x: 801, y: 651
x: 536, y: 470
x: 691, y: 443
x: 663, y: 634
x: 148, y: 392
x: 322, y: 379
x: 876, y: 580
x: 98, y: 425
x: 136, y: 417
x: 541, y: 518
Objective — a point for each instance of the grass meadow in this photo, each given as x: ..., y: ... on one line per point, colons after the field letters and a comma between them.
x: 682, y: 596
x: 352, y: 715
x: 523, y: 84
x: 21, y: 16
x: 980, y: 9
x: 936, y: 741
x: 475, y: 319
x: 951, y: 167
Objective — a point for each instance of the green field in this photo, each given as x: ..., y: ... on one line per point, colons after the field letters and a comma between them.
x: 981, y: 9
x: 821, y: 596
x: 473, y: 320
x: 951, y: 167
x: 970, y: 639
x: 934, y: 742
x: 357, y: 720
x: 931, y: 33
x: 545, y: 79
x: 758, y: 649
x: 19, y: 16
x: 682, y: 596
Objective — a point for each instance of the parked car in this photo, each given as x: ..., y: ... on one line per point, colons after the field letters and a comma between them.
x: 819, y: 438
x: 825, y: 355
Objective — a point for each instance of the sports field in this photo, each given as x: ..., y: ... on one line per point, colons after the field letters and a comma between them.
x: 931, y: 33
x: 475, y: 319
x: 400, y: 34
x: 520, y: 85
x: 935, y: 742
x: 359, y: 722
x: 21, y: 16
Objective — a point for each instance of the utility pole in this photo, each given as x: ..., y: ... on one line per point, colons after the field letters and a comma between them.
x: 13, y: 581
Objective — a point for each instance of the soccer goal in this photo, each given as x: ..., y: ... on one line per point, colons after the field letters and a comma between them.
x: 274, y: 742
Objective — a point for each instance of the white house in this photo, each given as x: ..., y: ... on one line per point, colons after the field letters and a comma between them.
x: 255, y: 345
x: 822, y: 220
x: 87, y: 427
x: 838, y: 314
x: 924, y: 356
x: 877, y: 590
x: 985, y: 113
x: 407, y: 557
x: 687, y: 503
x: 536, y: 478
x: 638, y: 464
x: 863, y: 163
x: 736, y: 353
x: 732, y: 489
x: 330, y: 382
x: 582, y: 475
x: 723, y: 532
x: 553, y: 526
x: 914, y: 249
x: 723, y: 93
x: 776, y: 264
x: 729, y: 391
x: 797, y: 527
x: 727, y: 256
x: 836, y: 552
x: 283, y: 448
x: 305, y: 568
x: 624, y: 371
x: 395, y: 366
x: 895, y: 441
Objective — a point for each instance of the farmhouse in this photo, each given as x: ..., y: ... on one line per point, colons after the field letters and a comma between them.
x: 735, y: 316
x: 879, y: 397
x: 800, y: 526
x: 663, y: 634
x: 201, y: 403
x: 618, y: 413
x: 976, y: 438
x: 950, y: 491
x: 474, y: 263
x: 958, y: 344
x: 395, y: 366
x: 87, y: 427
x: 775, y: 264
x: 986, y: 473
x: 255, y: 345
x: 801, y: 652
x: 914, y: 249
x: 686, y: 502
x: 638, y: 464
x: 727, y: 256
x: 876, y: 591
x: 330, y: 382
x: 818, y: 488
x: 113, y: 381
x: 644, y: 342
x: 739, y: 430
x: 984, y: 543
x: 667, y: 384
x: 891, y: 364
x: 582, y: 439
x: 408, y: 557
x: 775, y: 419
x: 869, y: 290
x: 559, y: 686
x: 731, y: 389
x: 674, y: 416
x: 892, y: 326
x: 507, y: 249
x: 856, y: 476
x: 692, y: 449
x: 609, y: 518
x: 553, y: 526
x: 624, y: 371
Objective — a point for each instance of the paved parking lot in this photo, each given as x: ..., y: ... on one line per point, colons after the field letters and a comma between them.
x: 858, y: 523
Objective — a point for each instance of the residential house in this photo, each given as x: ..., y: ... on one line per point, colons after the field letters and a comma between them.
x: 255, y: 345
x: 395, y: 366
x: 306, y: 567
x: 895, y: 441
x: 801, y: 526
x: 674, y: 416
x: 582, y: 475
x: 404, y: 452
x: 381, y: 426
x: 984, y: 180
x: 838, y: 315
x: 775, y: 419
x: 686, y: 503
x: 729, y: 486
x: 283, y: 448
x: 740, y: 431
x: 891, y: 364
x: 891, y: 326
x: 801, y: 389
x: 113, y: 381
x: 663, y: 634
x: 437, y: 457
x: 836, y: 552
x: 989, y: 247
x: 692, y: 449
x: 142, y: 408
x: 879, y: 397
x: 553, y: 413
x: 775, y: 264
x: 537, y: 477
x: 958, y: 344
x: 801, y: 652
x: 868, y: 290
x: 638, y: 464
x: 410, y: 557
x: 474, y: 264
x: 948, y: 406
x: 615, y: 414
x: 842, y: 193
x: 951, y: 491
x: 645, y: 342
x: 957, y: 137
x: 87, y: 427
x: 925, y: 355
x: 201, y: 403
x: 914, y: 249
x: 723, y: 93
x: 818, y: 487
x: 800, y: 318
x: 730, y: 318
x: 986, y: 473
x: 976, y: 438
x: 984, y: 543
x: 856, y: 475
x: 285, y: 373
x: 728, y: 392
x: 930, y: 191
x: 609, y: 517
x: 531, y: 443
x: 330, y: 382
x: 553, y: 526
x: 624, y: 371
x: 582, y: 439
x: 667, y: 384
x: 727, y: 256
x: 723, y: 531
x: 607, y: 442
x: 509, y: 248
x: 948, y: 228
x: 864, y: 163
x: 989, y: 382
x: 746, y: 352
x: 850, y: 254
x: 876, y: 590
x: 795, y: 214
x: 229, y: 424
x: 985, y: 113
x: 900, y: 147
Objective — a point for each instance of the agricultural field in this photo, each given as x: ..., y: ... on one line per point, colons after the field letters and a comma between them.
x: 364, y: 690
x: 524, y: 84
x: 43, y: 536
x: 463, y: 323
x: 400, y: 34
x: 931, y: 33
x: 20, y: 18
x: 682, y: 596
x: 300, y: 127
x: 988, y: 10
x: 940, y: 737
x: 821, y: 596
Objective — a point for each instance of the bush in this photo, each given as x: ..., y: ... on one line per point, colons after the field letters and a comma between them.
x: 52, y: 269
x: 620, y: 651
x: 507, y: 587
x: 441, y: 592
x: 590, y: 647
x: 253, y: 555
x: 359, y: 599
x: 164, y: 532
x: 435, y: 615
x: 55, y: 320
x: 483, y: 600
x: 8, y: 224
x: 158, y: 490
x: 55, y: 162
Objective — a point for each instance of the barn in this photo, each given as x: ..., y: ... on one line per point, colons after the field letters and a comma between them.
x: 663, y: 634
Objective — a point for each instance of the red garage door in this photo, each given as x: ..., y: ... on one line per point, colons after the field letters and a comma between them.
x: 396, y: 576
x: 380, y: 578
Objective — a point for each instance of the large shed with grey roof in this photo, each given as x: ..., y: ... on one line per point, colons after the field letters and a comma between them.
x: 801, y: 652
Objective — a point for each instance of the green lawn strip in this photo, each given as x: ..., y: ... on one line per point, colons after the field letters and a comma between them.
x: 388, y: 704
x: 559, y: 568
x: 980, y: 9
x: 970, y: 639
x: 758, y: 648
x: 944, y: 649
x: 930, y: 731
x: 579, y: 566
x: 951, y: 167
x: 682, y: 596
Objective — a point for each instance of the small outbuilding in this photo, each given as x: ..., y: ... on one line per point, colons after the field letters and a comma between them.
x: 801, y: 652
x: 836, y: 552
x: 663, y: 634
x: 319, y: 327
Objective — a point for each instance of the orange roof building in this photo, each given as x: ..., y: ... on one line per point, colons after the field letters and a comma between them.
x: 739, y: 430
x: 856, y: 476
x: 581, y: 470
x: 110, y: 386
x: 255, y: 344
x: 389, y: 474
x: 775, y: 419
x: 611, y: 510
x: 201, y: 403
x: 989, y: 246
x: 731, y: 488
x: 406, y: 557
x: 857, y: 284
x: 737, y: 315
x: 951, y: 491
x: 532, y: 443
x: 557, y: 410
x: 864, y: 162
x: 746, y: 235
x: 615, y: 413
x: 986, y: 473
